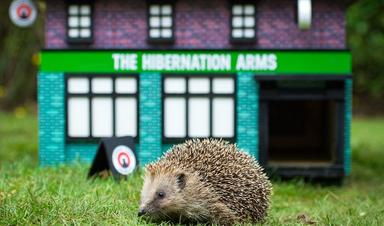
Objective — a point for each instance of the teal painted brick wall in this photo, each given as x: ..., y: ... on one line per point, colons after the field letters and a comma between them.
x: 51, y: 118
x: 348, y: 121
x: 150, y: 117
x: 82, y: 152
x: 166, y: 147
x: 247, y: 113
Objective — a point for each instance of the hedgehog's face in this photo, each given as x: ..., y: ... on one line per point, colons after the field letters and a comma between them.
x: 161, y: 195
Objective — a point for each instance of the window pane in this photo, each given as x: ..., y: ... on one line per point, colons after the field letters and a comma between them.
x: 166, y: 9
x: 73, y: 33
x: 249, y: 9
x: 249, y: 21
x: 78, y: 85
x: 198, y: 85
x: 78, y: 117
x: 126, y: 116
x: 166, y: 21
x: 73, y: 10
x: 174, y: 117
x: 85, y: 10
x: 237, y: 33
x: 102, y: 117
x: 125, y: 85
x: 223, y: 117
x: 154, y: 9
x: 174, y: 85
x: 237, y: 9
x: 249, y: 33
x: 102, y: 85
x: 198, y: 116
x: 154, y: 33
x: 166, y: 33
x: 154, y: 21
x: 237, y: 21
x: 85, y: 33
x: 73, y: 21
x: 223, y: 85
x: 85, y: 21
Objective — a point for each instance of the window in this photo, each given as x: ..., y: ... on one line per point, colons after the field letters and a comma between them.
x: 243, y: 23
x: 101, y: 106
x: 198, y: 106
x: 160, y: 22
x: 79, y: 23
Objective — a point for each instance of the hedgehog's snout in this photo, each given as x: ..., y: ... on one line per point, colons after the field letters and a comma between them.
x: 144, y: 209
x: 141, y: 212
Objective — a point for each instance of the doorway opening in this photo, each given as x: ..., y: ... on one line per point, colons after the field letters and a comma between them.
x: 301, y: 123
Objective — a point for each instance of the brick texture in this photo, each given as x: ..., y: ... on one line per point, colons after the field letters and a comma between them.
x: 247, y: 113
x: 51, y: 118
x: 82, y: 152
x: 199, y: 24
x: 150, y: 117
x: 122, y: 24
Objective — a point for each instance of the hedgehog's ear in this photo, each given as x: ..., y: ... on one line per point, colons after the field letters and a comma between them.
x: 181, y: 180
x: 150, y: 171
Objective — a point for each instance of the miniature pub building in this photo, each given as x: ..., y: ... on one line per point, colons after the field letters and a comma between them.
x: 272, y: 76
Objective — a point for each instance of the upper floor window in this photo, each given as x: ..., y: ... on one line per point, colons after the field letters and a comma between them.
x: 243, y: 23
x: 198, y: 106
x: 79, y: 22
x: 160, y: 22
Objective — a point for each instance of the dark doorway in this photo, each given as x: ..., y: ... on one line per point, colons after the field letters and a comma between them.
x: 301, y: 131
x: 301, y: 123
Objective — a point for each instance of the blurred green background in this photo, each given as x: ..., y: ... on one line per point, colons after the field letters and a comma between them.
x: 365, y: 29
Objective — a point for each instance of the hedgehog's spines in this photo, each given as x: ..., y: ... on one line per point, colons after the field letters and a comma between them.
x: 232, y: 175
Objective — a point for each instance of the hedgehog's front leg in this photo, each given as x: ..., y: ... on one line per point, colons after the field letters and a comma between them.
x: 222, y: 215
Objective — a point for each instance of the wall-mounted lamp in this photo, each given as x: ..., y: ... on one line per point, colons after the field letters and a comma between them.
x: 304, y: 13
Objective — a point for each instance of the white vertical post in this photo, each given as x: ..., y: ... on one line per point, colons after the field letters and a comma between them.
x: 304, y: 13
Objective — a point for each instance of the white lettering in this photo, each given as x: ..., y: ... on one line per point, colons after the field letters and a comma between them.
x: 116, y: 57
x: 124, y: 61
x: 256, y: 62
x: 195, y: 65
x: 240, y: 64
x: 185, y: 62
x: 272, y: 62
x: 261, y: 62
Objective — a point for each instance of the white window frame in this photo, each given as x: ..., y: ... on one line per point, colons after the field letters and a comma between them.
x: 189, y: 93
x: 240, y: 16
x: 78, y: 16
x: 91, y: 93
x: 157, y: 10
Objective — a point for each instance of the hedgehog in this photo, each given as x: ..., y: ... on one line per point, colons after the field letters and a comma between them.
x: 205, y: 181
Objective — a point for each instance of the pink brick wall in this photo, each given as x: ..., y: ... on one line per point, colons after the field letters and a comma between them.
x: 205, y: 24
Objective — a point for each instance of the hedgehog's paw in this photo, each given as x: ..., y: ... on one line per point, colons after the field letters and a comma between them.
x: 222, y: 215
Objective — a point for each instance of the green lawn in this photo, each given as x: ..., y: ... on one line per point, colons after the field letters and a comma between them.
x: 62, y: 195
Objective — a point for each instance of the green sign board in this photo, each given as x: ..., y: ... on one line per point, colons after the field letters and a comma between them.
x: 197, y: 61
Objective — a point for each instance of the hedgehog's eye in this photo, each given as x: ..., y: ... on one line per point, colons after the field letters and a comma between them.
x: 161, y: 194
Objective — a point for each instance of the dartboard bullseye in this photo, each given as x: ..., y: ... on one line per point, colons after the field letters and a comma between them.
x: 123, y: 160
